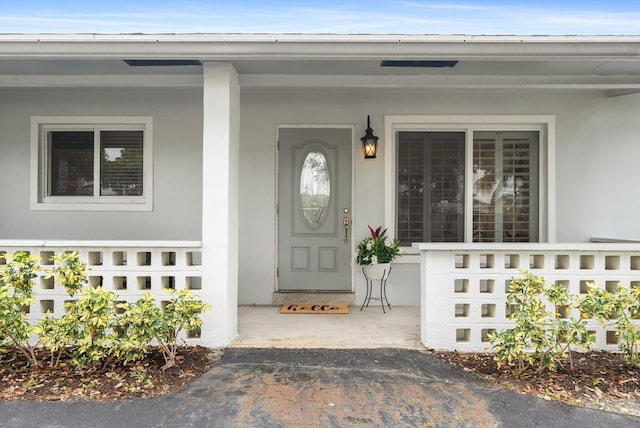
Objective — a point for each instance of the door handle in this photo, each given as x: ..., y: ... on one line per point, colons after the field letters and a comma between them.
x: 345, y: 223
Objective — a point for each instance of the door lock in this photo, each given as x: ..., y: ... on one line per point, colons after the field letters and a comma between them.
x: 345, y: 223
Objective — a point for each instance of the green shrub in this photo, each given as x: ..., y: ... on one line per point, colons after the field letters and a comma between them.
x: 87, y: 325
x: 618, y: 310
x: 16, y: 295
x: 540, y: 338
x: 54, y: 335
x: 90, y: 322
x: 143, y: 321
x: 69, y: 272
x: 90, y: 331
x: 138, y: 325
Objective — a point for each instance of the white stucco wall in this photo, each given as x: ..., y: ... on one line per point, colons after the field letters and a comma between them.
x: 597, y: 184
x: 598, y: 175
x: 177, y: 145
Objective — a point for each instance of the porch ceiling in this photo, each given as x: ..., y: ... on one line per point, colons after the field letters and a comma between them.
x: 573, y: 62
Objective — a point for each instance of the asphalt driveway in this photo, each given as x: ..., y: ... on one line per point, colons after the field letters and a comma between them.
x: 321, y: 387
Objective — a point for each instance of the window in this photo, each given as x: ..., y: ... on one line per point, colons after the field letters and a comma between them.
x: 467, y: 182
x: 505, y: 186
x: 430, y: 187
x: 92, y: 163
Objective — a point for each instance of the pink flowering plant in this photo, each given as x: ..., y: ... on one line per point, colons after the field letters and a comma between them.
x: 377, y: 248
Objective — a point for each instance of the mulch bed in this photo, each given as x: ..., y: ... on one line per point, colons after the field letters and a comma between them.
x: 600, y: 380
x: 19, y: 381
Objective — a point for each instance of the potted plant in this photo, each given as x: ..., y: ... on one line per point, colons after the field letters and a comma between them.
x: 376, y: 252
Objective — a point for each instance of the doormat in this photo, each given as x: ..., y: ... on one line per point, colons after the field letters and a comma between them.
x: 314, y: 309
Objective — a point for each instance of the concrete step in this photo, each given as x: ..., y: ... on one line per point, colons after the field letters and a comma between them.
x: 317, y: 298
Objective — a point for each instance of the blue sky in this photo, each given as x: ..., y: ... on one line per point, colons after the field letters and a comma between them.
x: 587, y: 17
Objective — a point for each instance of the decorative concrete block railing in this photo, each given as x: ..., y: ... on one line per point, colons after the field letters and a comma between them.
x: 464, y: 286
x: 129, y: 268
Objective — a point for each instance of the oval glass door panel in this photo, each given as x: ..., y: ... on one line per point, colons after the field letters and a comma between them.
x: 315, y: 188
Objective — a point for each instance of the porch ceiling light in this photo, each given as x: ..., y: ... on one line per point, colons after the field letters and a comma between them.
x: 369, y: 142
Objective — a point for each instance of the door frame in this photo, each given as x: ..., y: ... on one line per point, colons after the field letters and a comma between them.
x: 277, y: 193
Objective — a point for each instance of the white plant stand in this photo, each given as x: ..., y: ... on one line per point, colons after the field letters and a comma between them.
x: 379, y: 272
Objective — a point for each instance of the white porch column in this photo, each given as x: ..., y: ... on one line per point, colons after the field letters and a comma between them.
x: 220, y: 154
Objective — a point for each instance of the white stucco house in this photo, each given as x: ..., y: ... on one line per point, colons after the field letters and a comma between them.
x: 233, y: 165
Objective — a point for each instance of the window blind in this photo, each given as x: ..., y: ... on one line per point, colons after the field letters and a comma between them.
x: 121, y: 167
x: 505, y: 190
x: 430, y: 199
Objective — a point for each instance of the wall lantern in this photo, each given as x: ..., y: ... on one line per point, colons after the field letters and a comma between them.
x: 369, y: 143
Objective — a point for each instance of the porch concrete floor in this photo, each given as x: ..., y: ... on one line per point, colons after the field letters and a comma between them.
x: 265, y: 327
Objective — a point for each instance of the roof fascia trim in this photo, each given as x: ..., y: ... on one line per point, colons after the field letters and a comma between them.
x: 226, y: 47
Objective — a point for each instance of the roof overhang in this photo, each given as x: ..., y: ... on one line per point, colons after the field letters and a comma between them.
x: 610, y: 63
x: 218, y: 47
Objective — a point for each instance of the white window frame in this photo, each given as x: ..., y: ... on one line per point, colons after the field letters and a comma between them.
x: 544, y: 124
x: 39, y: 200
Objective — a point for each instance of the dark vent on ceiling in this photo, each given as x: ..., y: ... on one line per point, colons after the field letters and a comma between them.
x: 161, y: 62
x: 423, y: 64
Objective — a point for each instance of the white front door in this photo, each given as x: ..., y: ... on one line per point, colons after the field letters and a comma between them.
x: 314, y: 216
